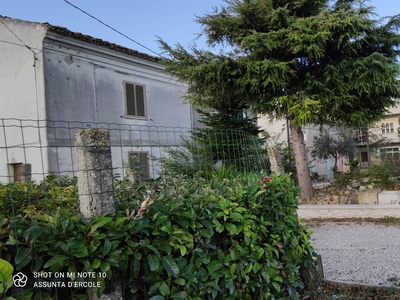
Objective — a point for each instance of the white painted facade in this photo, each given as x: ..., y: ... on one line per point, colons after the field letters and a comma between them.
x: 387, y: 130
x: 278, y: 130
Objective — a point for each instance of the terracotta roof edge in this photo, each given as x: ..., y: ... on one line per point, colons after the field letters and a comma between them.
x: 91, y: 39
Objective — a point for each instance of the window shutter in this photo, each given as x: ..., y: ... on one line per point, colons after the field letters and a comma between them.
x: 130, y: 100
x: 142, y: 162
x: 140, y: 101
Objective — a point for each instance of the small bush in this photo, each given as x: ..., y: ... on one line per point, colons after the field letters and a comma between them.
x: 342, y: 179
x: 22, y: 198
x: 386, y: 174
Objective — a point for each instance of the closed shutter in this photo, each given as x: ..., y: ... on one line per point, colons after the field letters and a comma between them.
x: 130, y: 99
x: 135, y: 100
x: 139, y: 160
x: 140, y: 101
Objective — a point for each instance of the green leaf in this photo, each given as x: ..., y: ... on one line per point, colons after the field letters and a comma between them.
x: 214, y: 266
x: 22, y: 253
x: 276, y: 286
x: 59, y: 259
x: 44, y: 218
x: 256, y: 267
x: 154, y: 262
x: 6, y: 270
x: 100, y: 223
x: 154, y: 249
x: 206, y: 232
x: 248, y: 268
x: 170, y: 266
x: 105, y: 266
x: 95, y: 263
x: 232, y: 254
x: 135, y: 268
x: 164, y: 289
x: 236, y: 216
x: 99, y: 236
x: 166, y: 226
x: 230, y: 285
x: 182, y: 249
x: 154, y: 288
x: 180, y: 281
x: 137, y: 255
x: 37, y: 264
x: 158, y: 297
x: 106, y: 247
x: 33, y: 233
x: 231, y: 228
x: 179, y: 295
x: 260, y: 253
x: 72, y: 270
x: 233, y: 269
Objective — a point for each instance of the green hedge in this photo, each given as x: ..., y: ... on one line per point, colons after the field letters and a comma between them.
x: 232, y: 237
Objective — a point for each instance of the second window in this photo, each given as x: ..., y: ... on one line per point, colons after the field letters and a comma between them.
x: 135, y: 100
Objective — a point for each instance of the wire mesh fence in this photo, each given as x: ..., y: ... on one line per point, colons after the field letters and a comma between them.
x: 30, y: 150
x: 56, y: 176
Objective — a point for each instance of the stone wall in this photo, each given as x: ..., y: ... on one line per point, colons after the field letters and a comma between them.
x: 356, y: 193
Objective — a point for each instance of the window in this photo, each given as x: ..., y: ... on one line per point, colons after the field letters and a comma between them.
x: 364, y: 156
x: 20, y: 172
x: 135, y: 100
x: 361, y: 135
x: 139, y: 165
x: 239, y: 116
x: 390, y: 152
x: 387, y: 128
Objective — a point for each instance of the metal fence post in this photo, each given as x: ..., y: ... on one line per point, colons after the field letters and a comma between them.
x: 95, y: 184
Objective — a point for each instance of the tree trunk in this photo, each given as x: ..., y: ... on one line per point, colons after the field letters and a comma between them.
x: 300, y: 155
x: 368, y: 150
x: 335, y: 167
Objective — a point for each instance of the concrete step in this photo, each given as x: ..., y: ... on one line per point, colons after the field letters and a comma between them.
x: 340, y: 211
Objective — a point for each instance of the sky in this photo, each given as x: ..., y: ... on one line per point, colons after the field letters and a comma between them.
x: 140, y: 20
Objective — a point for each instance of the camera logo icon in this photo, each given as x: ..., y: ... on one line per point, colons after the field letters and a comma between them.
x: 20, y: 280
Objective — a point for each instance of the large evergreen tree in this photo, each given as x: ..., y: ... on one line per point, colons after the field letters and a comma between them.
x: 311, y: 61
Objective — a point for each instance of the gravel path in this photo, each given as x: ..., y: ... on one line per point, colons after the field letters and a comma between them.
x: 359, y: 253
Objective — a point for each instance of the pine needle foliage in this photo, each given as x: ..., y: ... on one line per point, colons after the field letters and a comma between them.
x: 311, y: 61
x: 305, y: 59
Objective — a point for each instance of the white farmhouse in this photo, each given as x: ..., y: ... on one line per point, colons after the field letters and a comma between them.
x: 54, y: 81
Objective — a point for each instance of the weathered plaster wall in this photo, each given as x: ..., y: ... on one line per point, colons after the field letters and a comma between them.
x: 21, y: 95
x: 85, y: 86
x: 85, y: 82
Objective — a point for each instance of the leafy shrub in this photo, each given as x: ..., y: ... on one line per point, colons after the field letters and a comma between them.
x: 21, y: 198
x: 231, y: 237
x: 228, y: 238
x: 6, y: 270
x: 386, y: 173
x: 342, y: 179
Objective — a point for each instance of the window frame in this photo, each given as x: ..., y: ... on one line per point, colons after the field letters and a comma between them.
x: 392, y: 152
x: 364, y: 156
x: 127, y: 115
x: 147, y: 170
x: 387, y: 127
